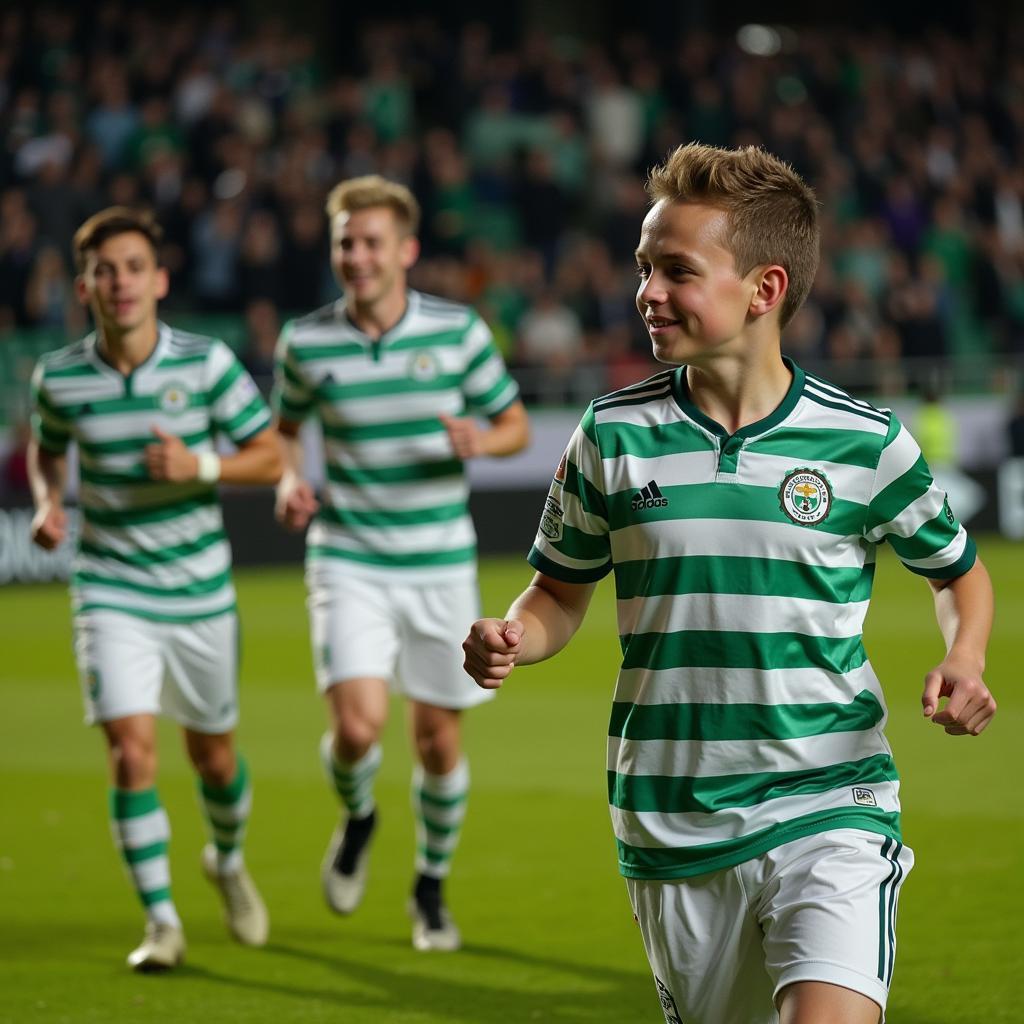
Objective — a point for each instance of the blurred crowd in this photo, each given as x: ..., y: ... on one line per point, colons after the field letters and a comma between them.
x: 529, y: 156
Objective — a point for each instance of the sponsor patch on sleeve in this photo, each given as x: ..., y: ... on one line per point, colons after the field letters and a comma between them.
x: 551, y: 519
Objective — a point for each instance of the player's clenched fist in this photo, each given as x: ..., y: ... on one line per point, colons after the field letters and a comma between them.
x: 296, y: 504
x: 169, y: 459
x: 49, y: 526
x: 492, y: 647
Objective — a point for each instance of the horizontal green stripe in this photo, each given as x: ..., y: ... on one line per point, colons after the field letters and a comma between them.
x: 197, y: 588
x: 227, y: 796
x: 729, y: 502
x: 291, y: 410
x: 434, y: 800
x: 821, y: 444
x: 439, y: 830
x: 930, y: 538
x: 492, y: 394
x: 352, y: 432
x: 618, y: 439
x: 685, y: 794
x: 585, y: 547
x: 254, y: 427
x: 543, y: 564
x: 729, y: 574
x: 480, y: 359
x: 152, y: 896
x: 74, y: 370
x: 388, y: 388
x: 151, y: 513
x: 591, y: 499
x: 104, y: 606
x: 588, y: 424
x: 897, y: 496
x: 136, y: 856
x: 340, y: 350
x: 950, y: 572
x: 395, y: 517
x: 742, y: 721
x: 127, y: 404
x: 709, y: 648
x: 405, y: 560
x: 137, y: 444
x: 434, y: 856
x: 684, y: 862
x: 227, y: 378
x: 155, y: 556
x: 131, y: 803
x: 172, y: 362
x: 254, y: 408
x: 410, y: 472
x: 446, y: 339
x: 136, y: 476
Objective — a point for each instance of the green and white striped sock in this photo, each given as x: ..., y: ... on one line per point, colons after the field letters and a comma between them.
x: 439, y: 804
x: 352, y: 782
x: 226, y: 809
x: 141, y: 832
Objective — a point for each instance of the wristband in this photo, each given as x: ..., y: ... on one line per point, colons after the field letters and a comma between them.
x: 208, y: 470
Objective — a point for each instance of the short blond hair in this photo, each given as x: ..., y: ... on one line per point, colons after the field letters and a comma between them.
x: 772, y: 211
x: 372, y: 190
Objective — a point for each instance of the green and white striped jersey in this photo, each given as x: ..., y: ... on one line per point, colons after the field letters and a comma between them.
x: 395, y: 498
x: 149, y: 548
x: 746, y: 713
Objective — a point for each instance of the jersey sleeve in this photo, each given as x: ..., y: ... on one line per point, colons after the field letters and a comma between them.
x: 237, y: 408
x: 292, y: 398
x: 572, y: 542
x: 486, y: 384
x: 910, y: 511
x: 49, y: 427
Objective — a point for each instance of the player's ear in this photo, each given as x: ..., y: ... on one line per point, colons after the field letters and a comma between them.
x: 163, y: 282
x: 771, y: 284
x: 409, y: 251
x: 81, y: 290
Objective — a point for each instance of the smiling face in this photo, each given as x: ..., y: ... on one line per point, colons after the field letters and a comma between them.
x: 370, y: 256
x: 121, y: 282
x: 692, y: 299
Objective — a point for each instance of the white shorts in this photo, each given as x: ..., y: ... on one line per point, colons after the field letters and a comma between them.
x: 822, y: 908
x: 409, y: 634
x: 132, y: 666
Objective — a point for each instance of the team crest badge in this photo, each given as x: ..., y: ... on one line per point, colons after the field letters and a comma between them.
x: 423, y: 367
x: 173, y: 398
x: 551, y: 519
x: 806, y: 497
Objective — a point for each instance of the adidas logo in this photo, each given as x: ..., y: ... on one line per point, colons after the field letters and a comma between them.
x: 649, y: 497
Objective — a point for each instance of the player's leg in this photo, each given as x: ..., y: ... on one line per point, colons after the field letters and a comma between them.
x: 440, y: 788
x: 704, y: 947
x: 351, y: 755
x: 433, y: 622
x: 201, y: 693
x: 828, y: 907
x: 121, y: 669
x: 354, y: 645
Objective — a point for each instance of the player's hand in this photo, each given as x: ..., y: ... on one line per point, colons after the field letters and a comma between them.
x: 491, y: 650
x: 465, y: 435
x: 49, y: 526
x: 970, y: 707
x: 169, y: 459
x: 296, y: 504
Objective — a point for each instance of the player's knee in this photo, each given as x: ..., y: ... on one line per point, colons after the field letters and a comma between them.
x: 133, y: 761
x: 438, y: 750
x: 353, y: 736
x: 215, y: 763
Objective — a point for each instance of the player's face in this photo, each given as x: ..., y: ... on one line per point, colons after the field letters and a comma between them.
x: 122, y: 283
x: 691, y: 298
x: 370, y: 255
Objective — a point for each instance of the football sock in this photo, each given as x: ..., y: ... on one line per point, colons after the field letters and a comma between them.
x: 439, y: 804
x: 141, y: 832
x: 226, y: 809
x: 352, y: 782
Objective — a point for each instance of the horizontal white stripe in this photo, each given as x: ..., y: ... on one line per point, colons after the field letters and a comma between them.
x: 203, y: 565
x: 747, y: 613
x: 143, y: 830
x: 713, y: 758
x: 545, y: 547
x: 151, y: 536
x: 897, y: 457
x: 760, y: 469
x: 629, y: 472
x: 380, y: 408
x: 405, y: 497
x: 912, y: 518
x: 384, y: 452
x: 741, y: 538
x: 659, y: 830
x: 165, y: 604
x: 744, y: 686
x: 810, y: 416
x: 152, y: 874
x: 396, y: 540
x: 229, y: 814
x: 949, y: 555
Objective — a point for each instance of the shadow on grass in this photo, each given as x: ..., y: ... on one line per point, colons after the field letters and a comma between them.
x: 392, y: 990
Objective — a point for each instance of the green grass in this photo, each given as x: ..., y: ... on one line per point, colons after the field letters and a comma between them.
x: 549, y: 936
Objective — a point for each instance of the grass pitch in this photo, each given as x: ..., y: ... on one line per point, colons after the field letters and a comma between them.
x: 548, y: 932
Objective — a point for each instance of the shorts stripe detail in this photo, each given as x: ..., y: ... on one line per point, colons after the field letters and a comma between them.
x: 887, y: 910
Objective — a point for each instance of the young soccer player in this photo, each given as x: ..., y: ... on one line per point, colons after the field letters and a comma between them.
x: 152, y: 597
x: 391, y: 555
x: 739, y: 502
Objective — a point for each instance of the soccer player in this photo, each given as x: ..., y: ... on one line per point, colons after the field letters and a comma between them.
x: 153, y: 602
x: 391, y: 555
x: 739, y: 502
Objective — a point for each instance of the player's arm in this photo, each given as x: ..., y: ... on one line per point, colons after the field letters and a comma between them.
x: 541, y: 621
x: 508, y: 432
x: 47, y: 477
x: 296, y: 502
x: 257, y: 461
x: 964, y: 609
